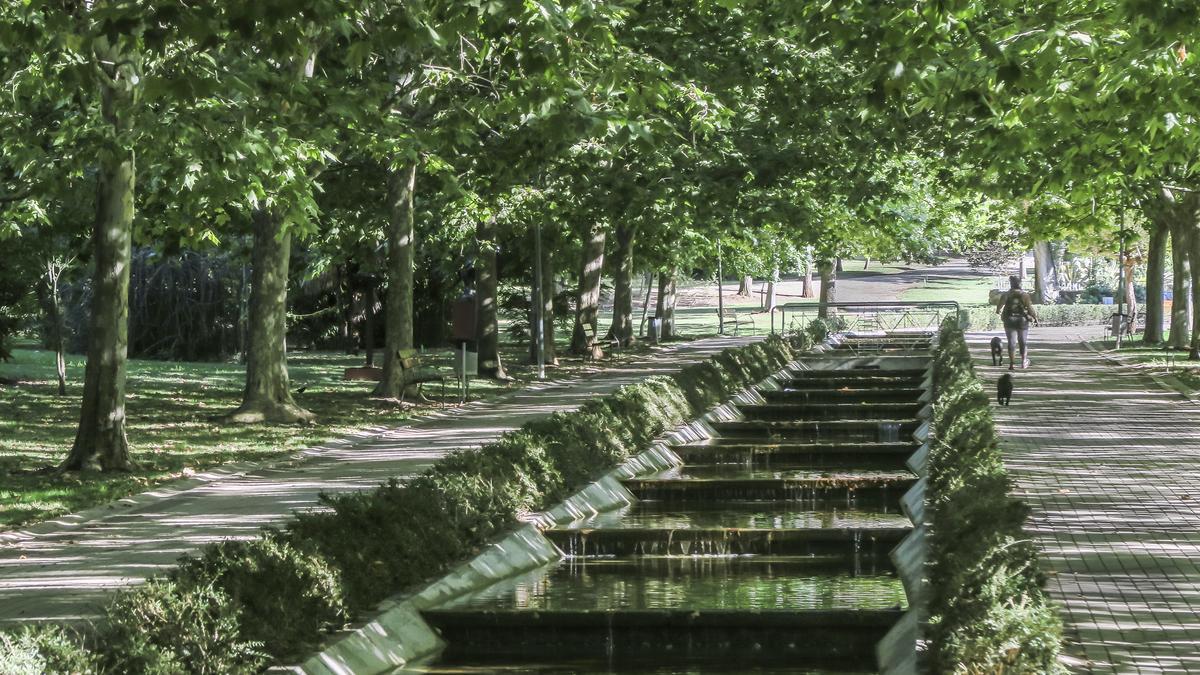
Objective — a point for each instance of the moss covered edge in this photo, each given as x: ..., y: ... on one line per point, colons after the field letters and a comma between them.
x: 239, y: 606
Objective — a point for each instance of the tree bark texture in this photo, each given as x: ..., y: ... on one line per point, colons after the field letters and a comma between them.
x: 665, y: 310
x: 746, y: 288
x: 487, y: 281
x: 50, y: 301
x: 621, y: 329
x: 1181, y: 298
x: 1131, y: 306
x: 101, y: 441
x: 267, y: 397
x: 769, y: 299
x: 1045, y: 274
x: 828, y: 271
x: 1154, y: 281
x: 398, y: 310
x: 587, y: 308
x: 806, y: 290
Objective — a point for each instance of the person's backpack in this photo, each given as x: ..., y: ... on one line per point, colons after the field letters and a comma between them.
x: 1014, y: 305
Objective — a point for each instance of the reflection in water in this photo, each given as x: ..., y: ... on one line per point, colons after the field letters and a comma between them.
x: 750, y: 583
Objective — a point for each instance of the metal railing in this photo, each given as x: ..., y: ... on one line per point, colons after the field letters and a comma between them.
x: 872, y: 316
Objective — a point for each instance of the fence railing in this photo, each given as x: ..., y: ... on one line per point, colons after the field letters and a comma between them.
x: 869, y: 316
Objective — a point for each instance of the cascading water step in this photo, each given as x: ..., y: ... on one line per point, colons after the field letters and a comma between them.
x: 629, y: 541
x: 842, y: 490
x: 847, y: 394
x: 750, y: 515
x: 878, y: 430
x: 890, y: 346
x: 874, y: 375
x: 791, y: 411
x: 748, y: 584
x: 834, y: 639
x: 766, y: 454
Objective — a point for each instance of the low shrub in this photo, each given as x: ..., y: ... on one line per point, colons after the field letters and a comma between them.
x: 988, y: 611
x: 164, y: 628
x: 287, y: 598
x: 45, y: 649
x: 984, y: 317
x: 238, y: 605
x: 818, y: 329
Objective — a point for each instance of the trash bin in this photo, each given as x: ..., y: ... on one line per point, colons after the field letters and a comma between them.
x: 465, y: 362
x: 655, y: 330
x: 1118, y: 323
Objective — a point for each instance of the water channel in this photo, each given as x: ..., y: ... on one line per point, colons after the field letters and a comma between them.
x: 765, y: 552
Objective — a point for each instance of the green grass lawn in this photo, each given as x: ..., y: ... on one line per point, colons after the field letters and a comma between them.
x: 967, y: 291
x: 173, y: 411
x: 1153, y: 359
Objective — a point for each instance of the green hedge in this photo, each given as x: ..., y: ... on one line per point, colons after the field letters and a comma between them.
x: 239, y: 606
x: 984, y: 317
x: 988, y: 612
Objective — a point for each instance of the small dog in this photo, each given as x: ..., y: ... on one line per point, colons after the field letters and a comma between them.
x: 1004, y: 389
x: 997, y: 352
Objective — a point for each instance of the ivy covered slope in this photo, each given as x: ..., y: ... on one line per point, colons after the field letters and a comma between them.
x: 988, y: 612
x: 240, y: 606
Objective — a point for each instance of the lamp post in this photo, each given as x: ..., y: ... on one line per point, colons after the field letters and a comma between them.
x: 539, y: 303
x: 720, y: 295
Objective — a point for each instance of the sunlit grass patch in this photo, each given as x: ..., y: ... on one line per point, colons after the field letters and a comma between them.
x: 173, y: 411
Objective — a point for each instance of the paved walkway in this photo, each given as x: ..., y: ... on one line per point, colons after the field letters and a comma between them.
x: 1110, y: 463
x: 61, y: 571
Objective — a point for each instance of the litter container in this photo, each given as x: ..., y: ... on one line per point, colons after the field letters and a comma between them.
x: 654, y: 331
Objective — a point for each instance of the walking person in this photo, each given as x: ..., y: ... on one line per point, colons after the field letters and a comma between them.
x: 1016, y: 312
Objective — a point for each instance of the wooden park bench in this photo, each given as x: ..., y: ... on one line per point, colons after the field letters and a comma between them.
x: 412, y: 370
x: 729, y: 315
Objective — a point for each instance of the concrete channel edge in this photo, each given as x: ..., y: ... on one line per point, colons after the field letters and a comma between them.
x: 397, y: 635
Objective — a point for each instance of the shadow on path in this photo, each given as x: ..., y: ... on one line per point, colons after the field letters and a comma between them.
x: 1110, y: 464
x: 61, y: 571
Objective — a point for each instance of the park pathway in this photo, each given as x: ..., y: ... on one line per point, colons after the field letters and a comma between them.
x: 61, y: 570
x: 1109, y: 461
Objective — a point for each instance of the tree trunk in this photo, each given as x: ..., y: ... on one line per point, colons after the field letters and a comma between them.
x: 1193, y: 257
x: 807, y: 288
x: 648, y: 282
x: 1045, y: 275
x: 622, y: 319
x: 487, y: 326
x: 665, y: 311
x: 1021, y: 267
x: 370, y: 300
x: 838, y: 265
x: 867, y: 262
x: 1131, y: 306
x: 398, y: 312
x: 1181, y: 298
x: 587, y: 307
x: 828, y: 272
x: 51, y: 304
x: 746, y: 288
x: 266, y: 397
x: 1154, y: 282
x: 100, y: 441
x: 769, y: 300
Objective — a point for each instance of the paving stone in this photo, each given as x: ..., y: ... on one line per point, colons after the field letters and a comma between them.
x: 63, y: 571
x: 1109, y: 461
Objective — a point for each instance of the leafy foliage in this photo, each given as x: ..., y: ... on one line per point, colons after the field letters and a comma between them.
x: 988, y: 611
x: 241, y: 604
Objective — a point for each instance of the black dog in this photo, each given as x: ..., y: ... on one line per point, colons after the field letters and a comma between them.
x: 997, y: 352
x: 1004, y: 389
